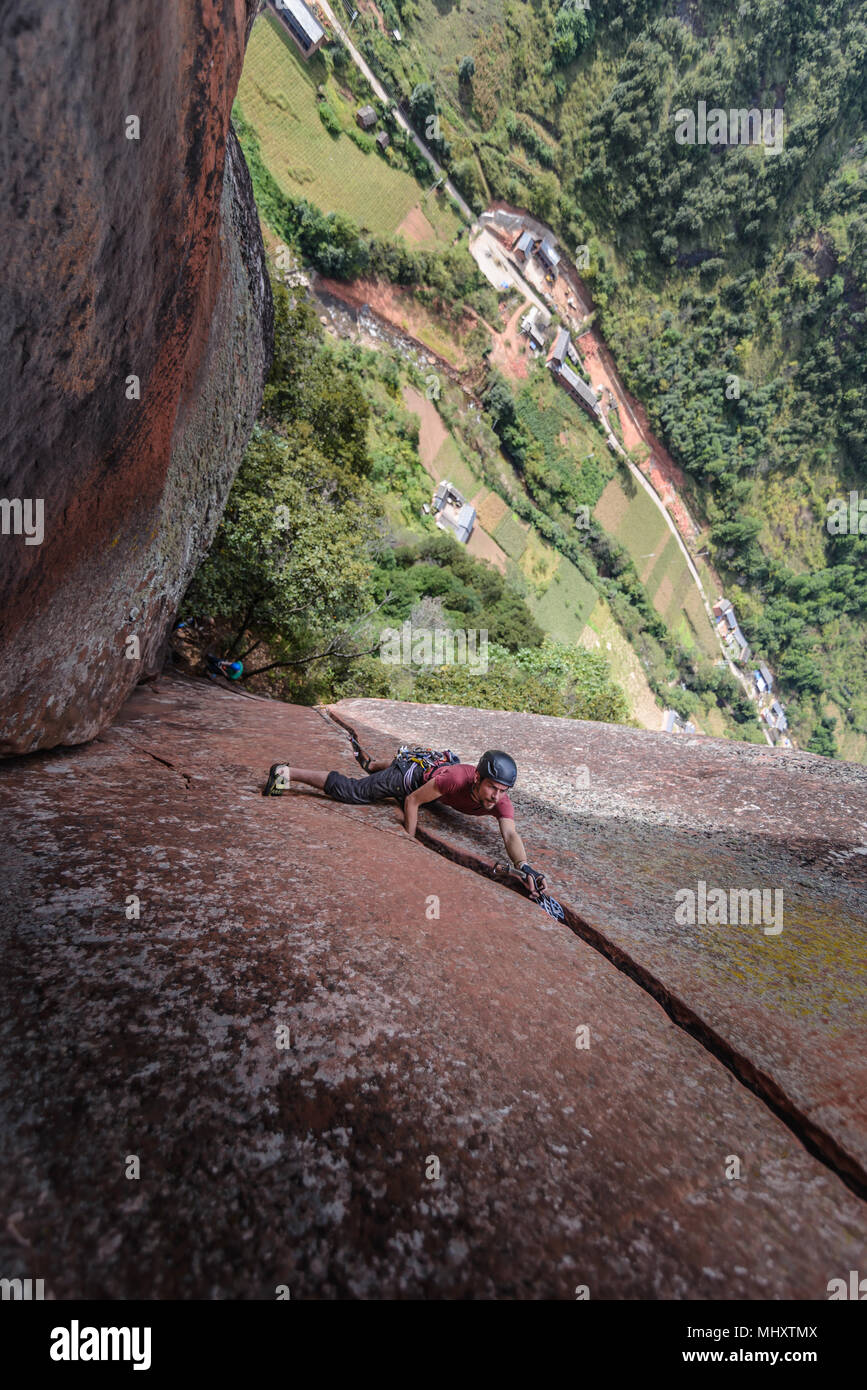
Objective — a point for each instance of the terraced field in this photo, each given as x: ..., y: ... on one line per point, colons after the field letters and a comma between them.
x: 628, y: 514
x: 277, y: 95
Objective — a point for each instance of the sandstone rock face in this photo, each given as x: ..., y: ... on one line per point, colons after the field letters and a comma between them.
x: 122, y: 257
x: 624, y: 820
x: 425, y: 1125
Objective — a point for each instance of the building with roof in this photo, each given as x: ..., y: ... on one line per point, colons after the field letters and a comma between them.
x: 523, y: 247
x: 536, y: 324
x: 365, y: 117
x: 674, y: 723
x: 741, y: 643
x: 570, y: 380
x: 453, y: 512
x: 560, y: 349
x: 301, y: 24
x: 382, y: 139
x: 724, y: 617
x: 779, y: 717
x: 548, y: 255
x: 579, y: 390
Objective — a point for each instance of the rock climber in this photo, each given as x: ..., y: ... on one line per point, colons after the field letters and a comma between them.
x: 217, y: 666
x: 418, y: 776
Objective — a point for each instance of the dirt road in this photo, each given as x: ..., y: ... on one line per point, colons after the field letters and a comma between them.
x: 386, y: 97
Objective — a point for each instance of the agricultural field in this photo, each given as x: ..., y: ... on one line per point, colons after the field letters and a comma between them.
x: 511, y: 534
x: 449, y: 463
x: 603, y: 633
x: 565, y: 604
x: 557, y: 594
x: 277, y: 95
x: 628, y: 514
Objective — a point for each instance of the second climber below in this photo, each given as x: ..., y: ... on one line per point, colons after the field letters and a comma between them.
x: 418, y: 776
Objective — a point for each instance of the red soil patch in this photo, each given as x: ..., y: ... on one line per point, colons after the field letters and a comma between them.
x: 483, y: 547
x: 432, y: 432
x: 506, y: 354
x: 368, y: 7
x: 416, y: 228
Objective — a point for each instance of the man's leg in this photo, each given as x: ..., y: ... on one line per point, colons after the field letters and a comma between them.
x: 386, y: 781
x: 309, y: 775
x: 361, y: 791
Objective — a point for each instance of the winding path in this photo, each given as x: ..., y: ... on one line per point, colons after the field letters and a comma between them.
x: 385, y: 96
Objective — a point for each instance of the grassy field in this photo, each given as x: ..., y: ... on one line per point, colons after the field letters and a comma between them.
x: 277, y: 94
x: 628, y: 514
x: 566, y: 604
x: 450, y: 464
x: 602, y: 633
x: 574, y: 448
x: 511, y: 534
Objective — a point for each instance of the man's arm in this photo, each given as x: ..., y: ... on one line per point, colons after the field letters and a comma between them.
x: 428, y: 791
x: 515, y: 849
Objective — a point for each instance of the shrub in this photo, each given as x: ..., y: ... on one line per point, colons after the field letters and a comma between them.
x: 328, y: 117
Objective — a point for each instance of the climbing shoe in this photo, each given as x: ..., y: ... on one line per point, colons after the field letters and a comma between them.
x: 277, y: 783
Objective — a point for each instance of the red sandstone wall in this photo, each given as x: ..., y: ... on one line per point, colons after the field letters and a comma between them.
x: 120, y: 257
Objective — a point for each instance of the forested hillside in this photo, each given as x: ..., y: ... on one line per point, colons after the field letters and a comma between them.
x: 730, y: 280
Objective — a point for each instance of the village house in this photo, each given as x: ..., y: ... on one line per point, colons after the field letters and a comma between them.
x: 549, y: 256
x: 579, y: 390
x: 536, y: 324
x: 382, y: 140
x: 780, y: 721
x: 569, y: 380
x: 763, y: 679
x: 301, y: 24
x: 453, y: 512
x: 740, y: 643
x: 560, y: 349
x: 523, y: 247
x: 673, y: 723
x: 365, y: 117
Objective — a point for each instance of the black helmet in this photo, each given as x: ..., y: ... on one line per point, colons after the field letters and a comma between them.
x: 498, y: 766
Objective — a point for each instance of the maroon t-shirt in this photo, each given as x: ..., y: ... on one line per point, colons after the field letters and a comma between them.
x: 454, y: 782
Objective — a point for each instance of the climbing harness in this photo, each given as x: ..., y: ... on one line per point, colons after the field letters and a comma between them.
x: 426, y: 758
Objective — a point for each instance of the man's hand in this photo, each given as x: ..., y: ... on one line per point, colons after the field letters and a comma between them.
x: 534, y: 879
x: 428, y: 791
